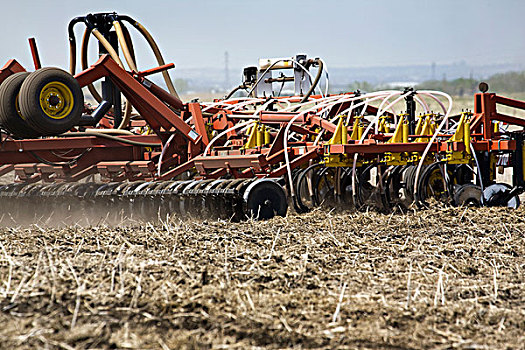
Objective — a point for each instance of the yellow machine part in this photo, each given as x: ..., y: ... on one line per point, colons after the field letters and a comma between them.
x: 462, y: 134
x: 258, y: 136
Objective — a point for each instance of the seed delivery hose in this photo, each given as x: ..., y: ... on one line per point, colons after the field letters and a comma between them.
x: 126, y: 44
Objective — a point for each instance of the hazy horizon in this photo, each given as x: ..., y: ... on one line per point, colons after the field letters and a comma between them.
x: 345, y: 33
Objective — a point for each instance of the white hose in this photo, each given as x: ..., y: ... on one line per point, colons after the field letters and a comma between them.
x: 379, y: 112
x: 433, y: 138
x: 225, y: 102
x: 422, y: 103
x: 287, y: 130
x: 164, y: 151
x: 478, y: 172
x: 235, y: 127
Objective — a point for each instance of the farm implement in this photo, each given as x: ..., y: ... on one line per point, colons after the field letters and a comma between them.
x: 143, y: 152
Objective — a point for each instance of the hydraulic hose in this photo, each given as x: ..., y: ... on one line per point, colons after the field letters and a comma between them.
x: 156, y: 51
x: 107, y: 46
x: 84, y: 62
x: 73, y: 44
x: 84, y: 49
x: 234, y: 91
x: 124, y: 46
x: 315, y: 82
x: 127, y: 48
x: 131, y: 63
x: 129, y: 42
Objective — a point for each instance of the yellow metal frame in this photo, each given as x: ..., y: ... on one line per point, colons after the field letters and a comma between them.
x: 462, y: 134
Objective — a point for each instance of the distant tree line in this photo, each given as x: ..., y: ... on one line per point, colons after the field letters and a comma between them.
x: 500, y: 82
x: 456, y: 87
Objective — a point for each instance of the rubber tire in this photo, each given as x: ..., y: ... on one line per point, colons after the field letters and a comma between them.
x: 30, y: 104
x: 9, y: 117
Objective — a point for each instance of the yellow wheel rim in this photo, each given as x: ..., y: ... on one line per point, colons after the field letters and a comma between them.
x: 56, y: 100
x: 435, y: 184
x: 17, y: 107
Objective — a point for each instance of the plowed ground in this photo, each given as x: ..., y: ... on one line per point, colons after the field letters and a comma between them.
x: 446, y: 278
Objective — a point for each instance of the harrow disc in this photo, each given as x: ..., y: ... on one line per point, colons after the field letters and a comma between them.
x: 369, y: 188
x: 434, y: 182
x: 324, y: 186
x: 499, y: 195
x: 211, y: 204
x: 305, y: 199
x: 68, y: 202
x: 187, y: 205
x: 265, y: 199
x: 394, y: 188
x: 408, y: 179
x: 468, y: 195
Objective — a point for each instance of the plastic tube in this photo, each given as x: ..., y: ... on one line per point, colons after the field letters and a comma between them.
x: 110, y: 131
x: 224, y: 102
x: 379, y: 112
x: 110, y: 137
x: 435, y: 99
x: 432, y: 139
x: 212, y: 141
x: 478, y: 172
x: 285, y: 141
x: 422, y: 103
x: 164, y: 148
x: 236, y: 126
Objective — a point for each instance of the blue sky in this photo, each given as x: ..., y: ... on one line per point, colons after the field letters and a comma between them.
x: 345, y: 33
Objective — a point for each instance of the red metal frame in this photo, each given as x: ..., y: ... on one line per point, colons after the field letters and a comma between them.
x: 10, y: 68
x: 46, y: 160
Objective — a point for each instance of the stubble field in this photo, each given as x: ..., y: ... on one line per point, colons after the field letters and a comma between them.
x: 441, y: 279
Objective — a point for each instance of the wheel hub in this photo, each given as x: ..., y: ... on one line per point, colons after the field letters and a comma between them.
x: 56, y: 100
